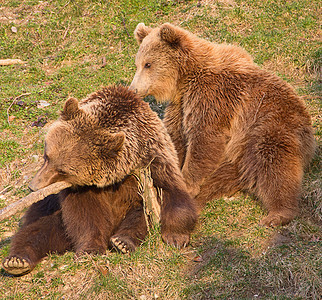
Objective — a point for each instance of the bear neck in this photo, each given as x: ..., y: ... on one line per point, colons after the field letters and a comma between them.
x: 204, y: 57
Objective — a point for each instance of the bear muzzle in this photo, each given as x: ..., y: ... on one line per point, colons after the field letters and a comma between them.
x: 136, y: 86
x: 44, y: 177
x: 132, y: 88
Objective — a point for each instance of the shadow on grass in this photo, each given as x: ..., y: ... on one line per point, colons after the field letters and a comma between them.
x: 284, y: 270
x: 5, y: 242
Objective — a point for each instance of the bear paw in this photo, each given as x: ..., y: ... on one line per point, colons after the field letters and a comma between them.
x: 176, y: 240
x: 16, y: 266
x: 122, y: 244
x: 274, y: 220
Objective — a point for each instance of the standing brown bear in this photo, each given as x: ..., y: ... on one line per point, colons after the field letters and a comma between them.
x: 95, y: 145
x: 235, y: 126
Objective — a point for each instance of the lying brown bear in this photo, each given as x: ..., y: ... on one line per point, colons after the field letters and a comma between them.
x: 95, y: 145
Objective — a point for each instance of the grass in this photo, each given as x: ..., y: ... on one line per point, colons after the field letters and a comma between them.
x: 64, y: 44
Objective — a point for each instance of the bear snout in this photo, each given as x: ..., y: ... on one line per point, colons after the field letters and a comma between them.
x: 132, y: 88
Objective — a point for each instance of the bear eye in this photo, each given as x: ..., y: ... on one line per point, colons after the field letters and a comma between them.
x: 147, y: 65
x: 61, y: 172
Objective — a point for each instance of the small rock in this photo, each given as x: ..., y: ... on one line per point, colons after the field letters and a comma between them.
x: 35, y: 158
x: 42, y: 104
x: 14, y: 29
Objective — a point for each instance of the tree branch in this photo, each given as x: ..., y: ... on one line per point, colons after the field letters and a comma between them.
x: 32, y: 198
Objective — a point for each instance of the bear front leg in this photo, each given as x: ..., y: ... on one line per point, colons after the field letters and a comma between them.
x: 88, y: 218
x: 131, y: 232
x: 178, y: 211
x: 178, y: 217
x: 204, y: 153
x: 33, y: 242
x: 173, y: 122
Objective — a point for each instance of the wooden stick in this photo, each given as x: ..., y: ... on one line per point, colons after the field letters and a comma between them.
x: 8, y: 62
x: 150, y: 196
x: 32, y: 198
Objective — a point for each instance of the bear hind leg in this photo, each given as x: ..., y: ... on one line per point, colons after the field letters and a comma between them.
x: 33, y: 242
x: 274, y: 170
x: 280, y: 195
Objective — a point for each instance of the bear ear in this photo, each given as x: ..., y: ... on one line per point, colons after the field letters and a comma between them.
x: 70, y: 109
x: 140, y: 32
x: 109, y: 144
x: 117, y: 141
x: 170, y: 34
x: 174, y: 36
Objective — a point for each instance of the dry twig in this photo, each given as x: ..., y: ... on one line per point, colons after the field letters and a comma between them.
x: 13, y: 102
x: 124, y: 25
x: 104, y: 63
x: 66, y: 31
x: 32, y: 198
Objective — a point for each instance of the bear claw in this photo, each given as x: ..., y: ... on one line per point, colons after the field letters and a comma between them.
x: 176, y: 240
x: 16, y: 266
x: 120, y: 245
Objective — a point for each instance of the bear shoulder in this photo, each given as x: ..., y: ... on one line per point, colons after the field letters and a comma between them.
x: 222, y: 56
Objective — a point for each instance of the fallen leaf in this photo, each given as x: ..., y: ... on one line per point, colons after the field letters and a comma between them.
x: 102, y: 269
x: 315, y: 239
x: 11, y: 118
x: 198, y: 259
x: 104, y: 63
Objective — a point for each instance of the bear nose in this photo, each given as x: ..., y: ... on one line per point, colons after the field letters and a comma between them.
x: 133, y: 89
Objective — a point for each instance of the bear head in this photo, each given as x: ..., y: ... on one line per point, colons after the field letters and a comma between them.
x: 84, y: 147
x: 160, y: 58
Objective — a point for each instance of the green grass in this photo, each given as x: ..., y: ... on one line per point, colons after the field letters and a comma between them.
x: 64, y: 44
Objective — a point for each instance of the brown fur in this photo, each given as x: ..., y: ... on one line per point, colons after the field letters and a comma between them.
x: 235, y: 126
x: 95, y: 145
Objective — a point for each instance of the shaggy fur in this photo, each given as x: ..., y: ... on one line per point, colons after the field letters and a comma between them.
x: 235, y: 126
x: 95, y: 146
